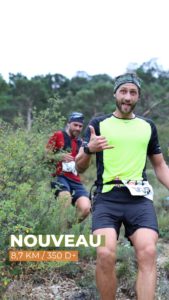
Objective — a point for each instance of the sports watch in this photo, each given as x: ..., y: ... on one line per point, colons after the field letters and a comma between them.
x: 86, y: 148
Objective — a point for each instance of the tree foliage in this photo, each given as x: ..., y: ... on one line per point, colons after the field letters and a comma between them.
x: 91, y: 94
x: 26, y: 201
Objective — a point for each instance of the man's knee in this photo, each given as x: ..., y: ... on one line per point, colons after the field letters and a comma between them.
x: 64, y: 197
x: 65, y: 194
x: 106, y: 258
x: 85, y: 211
x: 147, y: 256
x: 84, y: 206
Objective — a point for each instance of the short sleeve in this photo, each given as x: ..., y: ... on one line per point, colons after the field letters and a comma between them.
x: 153, y: 146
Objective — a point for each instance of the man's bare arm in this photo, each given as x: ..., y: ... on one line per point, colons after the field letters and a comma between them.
x: 82, y: 161
x: 161, y: 169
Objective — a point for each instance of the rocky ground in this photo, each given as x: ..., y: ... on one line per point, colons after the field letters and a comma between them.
x: 78, y: 283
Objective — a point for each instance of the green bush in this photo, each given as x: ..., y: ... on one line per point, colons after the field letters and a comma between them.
x: 27, y: 204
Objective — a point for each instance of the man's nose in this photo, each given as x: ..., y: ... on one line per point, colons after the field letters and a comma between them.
x: 127, y: 96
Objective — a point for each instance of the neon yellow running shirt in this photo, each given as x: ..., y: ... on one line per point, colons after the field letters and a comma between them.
x: 133, y: 140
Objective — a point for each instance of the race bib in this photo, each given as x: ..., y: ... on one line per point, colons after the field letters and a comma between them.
x: 142, y: 188
x: 69, y: 167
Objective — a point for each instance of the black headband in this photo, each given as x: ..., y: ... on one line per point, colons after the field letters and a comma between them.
x: 76, y: 117
x: 127, y: 78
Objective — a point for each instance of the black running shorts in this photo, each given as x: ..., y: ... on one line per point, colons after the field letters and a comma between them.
x: 117, y: 207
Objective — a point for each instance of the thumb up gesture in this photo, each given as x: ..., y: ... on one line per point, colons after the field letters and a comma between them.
x: 97, y: 143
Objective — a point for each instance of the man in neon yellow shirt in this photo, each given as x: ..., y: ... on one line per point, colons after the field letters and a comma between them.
x: 122, y: 142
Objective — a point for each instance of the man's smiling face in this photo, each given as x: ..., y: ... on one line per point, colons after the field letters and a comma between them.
x: 127, y: 96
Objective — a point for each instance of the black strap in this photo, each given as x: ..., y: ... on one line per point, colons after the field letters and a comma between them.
x: 95, y: 184
x: 116, y: 181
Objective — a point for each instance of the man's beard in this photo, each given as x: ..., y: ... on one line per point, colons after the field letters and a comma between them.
x: 125, y: 108
x: 74, y: 133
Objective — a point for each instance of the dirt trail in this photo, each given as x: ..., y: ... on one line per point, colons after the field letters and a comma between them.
x: 59, y: 286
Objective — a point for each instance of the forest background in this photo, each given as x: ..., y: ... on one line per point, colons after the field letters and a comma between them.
x: 30, y: 111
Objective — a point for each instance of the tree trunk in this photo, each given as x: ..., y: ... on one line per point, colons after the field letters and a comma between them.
x: 29, y: 118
